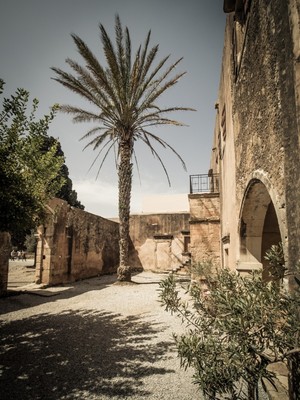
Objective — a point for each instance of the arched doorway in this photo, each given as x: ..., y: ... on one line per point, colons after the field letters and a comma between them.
x: 259, y: 227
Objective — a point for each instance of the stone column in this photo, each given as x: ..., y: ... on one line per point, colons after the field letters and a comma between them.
x: 5, y: 249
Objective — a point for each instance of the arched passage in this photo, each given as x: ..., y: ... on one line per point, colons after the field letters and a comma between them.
x: 259, y: 228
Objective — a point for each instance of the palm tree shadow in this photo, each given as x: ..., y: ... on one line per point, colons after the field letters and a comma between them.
x: 79, y: 354
x: 44, y: 295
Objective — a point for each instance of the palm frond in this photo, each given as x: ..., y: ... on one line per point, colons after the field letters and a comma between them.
x: 146, y: 140
x: 142, y: 64
x: 137, y: 165
x: 104, y: 158
x: 72, y: 83
x: 157, y: 116
x: 81, y: 115
x: 156, y: 90
x: 84, y: 76
x: 163, y: 121
x: 125, y: 93
x: 164, y: 144
x: 134, y: 76
x: 121, y: 50
x: 98, y: 140
x: 112, y: 60
x: 97, y: 70
x: 89, y: 116
x: 91, y: 132
x: 97, y: 156
x: 127, y: 57
x: 148, y: 83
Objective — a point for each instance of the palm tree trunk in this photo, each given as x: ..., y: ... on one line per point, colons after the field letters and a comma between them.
x: 125, y: 183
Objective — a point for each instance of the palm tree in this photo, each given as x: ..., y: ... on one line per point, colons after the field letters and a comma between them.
x: 125, y: 94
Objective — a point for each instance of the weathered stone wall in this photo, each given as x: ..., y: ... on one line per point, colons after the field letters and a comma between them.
x: 223, y: 157
x: 292, y: 141
x: 75, y: 244
x: 258, y: 151
x: 158, y: 240
x: 258, y: 101
x: 265, y: 117
x: 205, y: 227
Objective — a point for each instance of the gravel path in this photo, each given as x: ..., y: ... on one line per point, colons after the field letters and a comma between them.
x: 91, y: 340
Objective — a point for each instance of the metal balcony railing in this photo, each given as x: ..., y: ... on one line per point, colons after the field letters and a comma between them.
x: 204, y: 183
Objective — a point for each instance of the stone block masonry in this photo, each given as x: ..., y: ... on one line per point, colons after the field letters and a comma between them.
x: 74, y: 245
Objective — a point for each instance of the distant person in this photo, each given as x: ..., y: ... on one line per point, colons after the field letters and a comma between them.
x: 23, y: 255
x: 19, y: 255
x: 13, y: 255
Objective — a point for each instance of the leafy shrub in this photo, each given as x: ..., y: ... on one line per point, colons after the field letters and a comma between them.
x: 235, y: 332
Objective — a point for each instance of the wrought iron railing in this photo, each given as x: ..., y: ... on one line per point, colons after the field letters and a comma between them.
x: 204, y: 183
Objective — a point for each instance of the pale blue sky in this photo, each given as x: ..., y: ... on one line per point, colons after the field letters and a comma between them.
x: 35, y: 35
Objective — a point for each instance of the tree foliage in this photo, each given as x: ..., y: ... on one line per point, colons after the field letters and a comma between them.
x: 66, y: 191
x: 125, y: 96
x: 276, y: 266
x: 236, y: 328
x: 28, y: 176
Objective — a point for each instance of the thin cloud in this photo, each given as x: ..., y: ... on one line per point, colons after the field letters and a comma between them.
x: 98, y: 197
x: 101, y: 197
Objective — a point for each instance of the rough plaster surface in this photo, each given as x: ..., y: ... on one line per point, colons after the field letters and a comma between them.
x: 257, y: 123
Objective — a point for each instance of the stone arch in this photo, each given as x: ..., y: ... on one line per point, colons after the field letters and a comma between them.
x: 260, y: 222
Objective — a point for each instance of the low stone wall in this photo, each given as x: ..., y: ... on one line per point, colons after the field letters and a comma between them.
x: 74, y: 245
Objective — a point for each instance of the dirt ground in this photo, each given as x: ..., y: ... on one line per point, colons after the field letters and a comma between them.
x: 20, y: 273
x: 89, y: 340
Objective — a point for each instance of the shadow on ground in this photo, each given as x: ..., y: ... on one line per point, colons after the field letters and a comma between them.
x: 83, y: 354
x: 66, y: 291
x: 37, y: 296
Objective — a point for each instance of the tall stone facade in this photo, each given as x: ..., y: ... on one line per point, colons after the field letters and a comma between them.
x: 256, y: 139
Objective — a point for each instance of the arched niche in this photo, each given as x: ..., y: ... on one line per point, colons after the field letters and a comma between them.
x: 258, y: 226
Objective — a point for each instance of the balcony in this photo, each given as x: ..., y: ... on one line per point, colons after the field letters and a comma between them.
x: 204, y: 183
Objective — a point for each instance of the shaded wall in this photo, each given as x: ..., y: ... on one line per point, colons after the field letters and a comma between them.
x: 205, y: 227
x: 223, y: 157
x: 257, y: 132
x: 265, y: 113
x: 160, y: 240
x: 75, y: 244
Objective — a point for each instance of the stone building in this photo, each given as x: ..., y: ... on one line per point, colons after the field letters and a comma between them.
x: 75, y: 244
x: 255, y: 152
